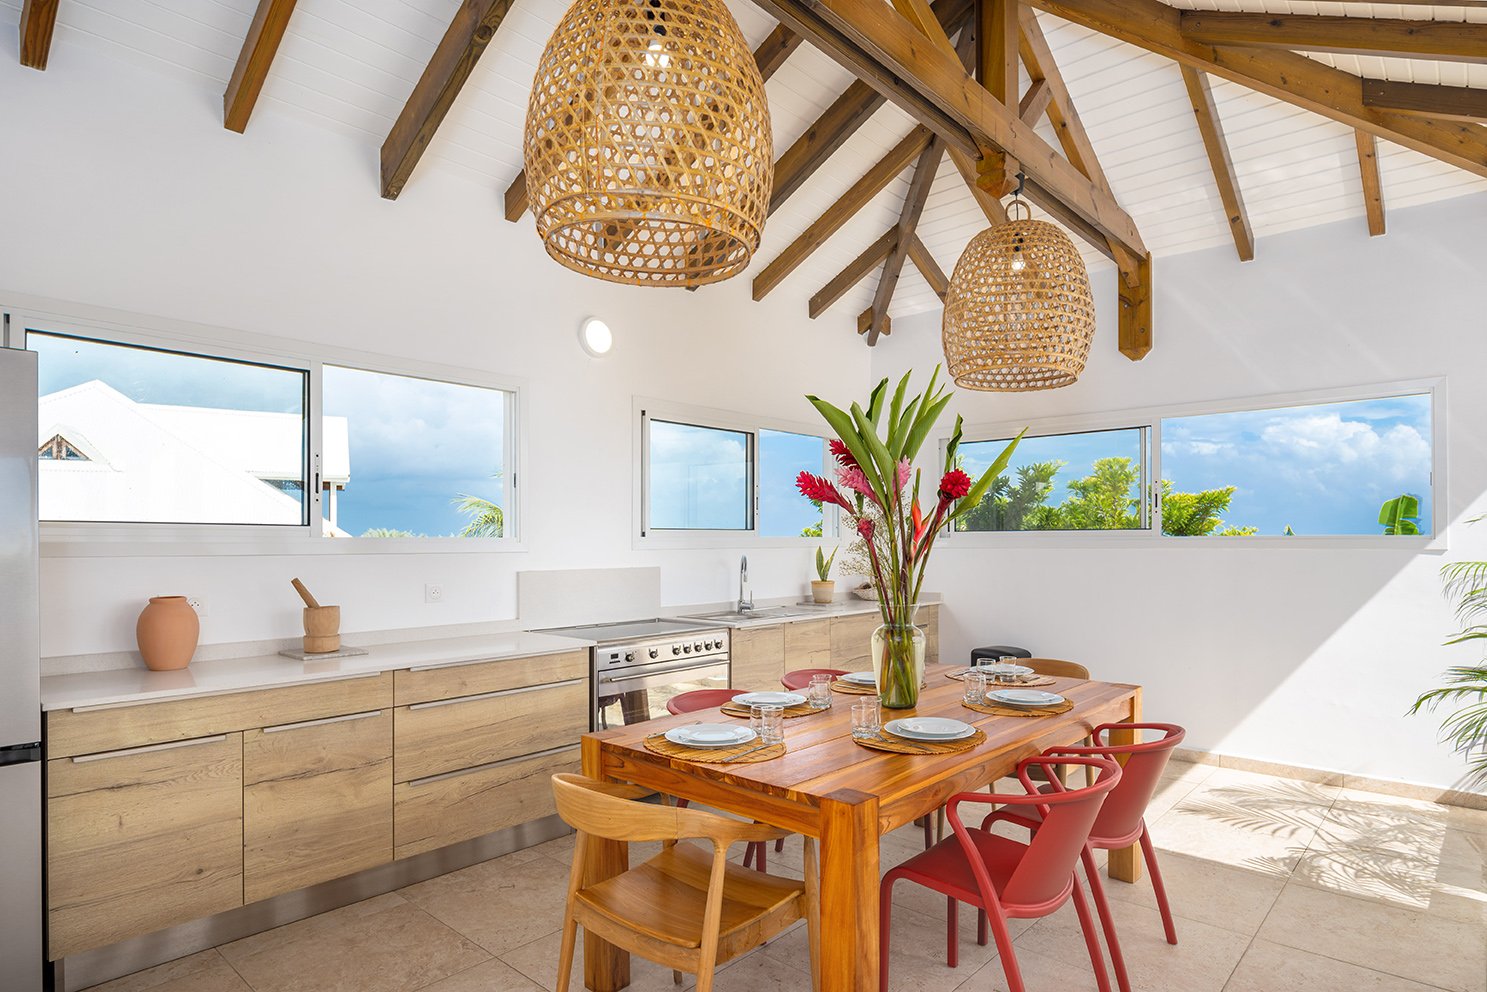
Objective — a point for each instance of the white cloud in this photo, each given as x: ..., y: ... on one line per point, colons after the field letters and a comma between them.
x: 1326, y: 442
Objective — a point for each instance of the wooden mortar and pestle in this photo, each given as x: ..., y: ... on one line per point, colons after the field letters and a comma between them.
x: 322, y: 623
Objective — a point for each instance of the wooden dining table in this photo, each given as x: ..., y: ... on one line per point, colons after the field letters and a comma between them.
x: 847, y: 795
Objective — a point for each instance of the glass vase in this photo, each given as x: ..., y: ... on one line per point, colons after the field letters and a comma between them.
x: 898, y: 664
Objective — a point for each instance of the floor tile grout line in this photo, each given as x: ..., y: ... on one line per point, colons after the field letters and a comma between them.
x: 233, y: 968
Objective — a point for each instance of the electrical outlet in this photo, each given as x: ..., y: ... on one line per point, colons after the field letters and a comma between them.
x: 199, y: 604
x: 433, y: 593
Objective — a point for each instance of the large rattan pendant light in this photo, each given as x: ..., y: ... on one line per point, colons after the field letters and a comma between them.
x: 648, y: 149
x: 1018, y: 313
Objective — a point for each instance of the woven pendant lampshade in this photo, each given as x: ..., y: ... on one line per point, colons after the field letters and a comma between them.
x: 1018, y: 313
x: 648, y: 150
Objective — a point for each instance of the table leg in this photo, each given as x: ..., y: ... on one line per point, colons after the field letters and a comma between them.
x: 1125, y: 864
x: 849, y: 892
x: 606, y: 968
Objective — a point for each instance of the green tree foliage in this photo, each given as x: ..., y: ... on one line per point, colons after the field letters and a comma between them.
x: 1007, y: 505
x: 1400, y: 515
x: 1465, y: 688
x: 485, y: 517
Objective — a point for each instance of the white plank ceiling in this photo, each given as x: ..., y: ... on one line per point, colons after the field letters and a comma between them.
x: 350, y: 65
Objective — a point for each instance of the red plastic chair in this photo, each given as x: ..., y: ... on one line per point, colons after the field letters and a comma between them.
x: 801, y: 678
x: 1006, y: 878
x: 706, y: 699
x: 1122, y: 820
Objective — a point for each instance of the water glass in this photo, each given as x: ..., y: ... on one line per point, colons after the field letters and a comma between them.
x: 975, y: 686
x: 818, y: 694
x: 768, y: 722
x: 1005, y: 676
x: 865, y: 718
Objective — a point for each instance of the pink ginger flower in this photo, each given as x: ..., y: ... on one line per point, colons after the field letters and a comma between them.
x: 856, y: 480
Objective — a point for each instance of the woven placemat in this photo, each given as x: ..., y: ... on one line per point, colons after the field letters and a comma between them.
x: 799, y: 709
x: 1023, y: 682
x: 902, y: 745
x: 854, y: 690
x: 743, y: 754
x: 996, y: 710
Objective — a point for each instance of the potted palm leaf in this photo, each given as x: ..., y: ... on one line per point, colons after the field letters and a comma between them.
x: 875, y: 448
x: 823, y: 590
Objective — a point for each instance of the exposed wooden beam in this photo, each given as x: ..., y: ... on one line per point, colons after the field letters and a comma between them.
x: 38, y: 19
x: 928, y: 267
x: 870, y: 185
x: 1206, y: 113
x: 1453, y: 41
x: 769, y: 56
x: 1135, y: 310
x: 1035, y: 102
x: 908, y: 220
x: 471, y: 30
x: 1444, y: 103
x: 998, y: 70
x: 1286, y: 76
x: 1373, y: 188
x: 854, y: 273
x: 259, y: 47
x: 865, y: 322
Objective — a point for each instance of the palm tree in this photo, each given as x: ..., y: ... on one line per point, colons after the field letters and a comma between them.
x: 1466, y: 686
x: 486, y: 518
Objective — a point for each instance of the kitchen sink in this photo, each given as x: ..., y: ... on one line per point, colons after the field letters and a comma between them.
x: 762, y: 613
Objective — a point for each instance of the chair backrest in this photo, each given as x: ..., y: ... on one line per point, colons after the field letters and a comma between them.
x: 801, y: 678
x: 1068, y: 817
x: 1056, y: 668
x: 1142, y: 765
x: 615, y: 812
x: 699, y: 699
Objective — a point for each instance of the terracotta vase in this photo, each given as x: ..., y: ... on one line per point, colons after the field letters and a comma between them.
x: 167, y: 631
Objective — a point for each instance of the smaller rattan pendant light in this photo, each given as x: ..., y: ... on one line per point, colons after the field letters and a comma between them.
x: 648, y: 150
x: 1018, y: 313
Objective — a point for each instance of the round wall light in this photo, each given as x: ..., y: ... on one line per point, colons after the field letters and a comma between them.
x: 595, y: 337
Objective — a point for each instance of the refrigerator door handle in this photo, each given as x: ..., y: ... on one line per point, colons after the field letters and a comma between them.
x: 20, y: 754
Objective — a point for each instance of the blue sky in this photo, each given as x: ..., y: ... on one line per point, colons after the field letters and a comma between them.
x: 699, y: 479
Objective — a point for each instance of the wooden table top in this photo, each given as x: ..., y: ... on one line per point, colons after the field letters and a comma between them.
x: 822, y: 760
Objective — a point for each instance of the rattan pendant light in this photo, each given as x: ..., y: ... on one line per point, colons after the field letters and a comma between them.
x: 1018, y: 313
x: 648, y: 150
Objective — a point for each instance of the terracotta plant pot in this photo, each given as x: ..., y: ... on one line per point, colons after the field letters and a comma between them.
x: 823, y: 592
x: 167, y: 632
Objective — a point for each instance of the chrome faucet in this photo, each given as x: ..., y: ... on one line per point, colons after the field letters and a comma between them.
x: 745, y: 594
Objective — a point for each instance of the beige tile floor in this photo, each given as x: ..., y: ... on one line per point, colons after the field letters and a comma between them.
x: 1278, y: 885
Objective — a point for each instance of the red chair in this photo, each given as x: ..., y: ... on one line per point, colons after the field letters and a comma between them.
x: 1122, y: 820
x: 1006, y: 878
x: 706, y: 699
x: 801, y: 679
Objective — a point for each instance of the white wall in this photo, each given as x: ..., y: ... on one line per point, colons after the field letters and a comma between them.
x: 120, y: 188
x: 1274, y: 654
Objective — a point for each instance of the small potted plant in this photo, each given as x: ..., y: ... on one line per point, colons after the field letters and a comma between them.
x: 823, y: 589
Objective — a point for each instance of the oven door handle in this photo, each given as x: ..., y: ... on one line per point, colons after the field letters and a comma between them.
x: 615, y: 680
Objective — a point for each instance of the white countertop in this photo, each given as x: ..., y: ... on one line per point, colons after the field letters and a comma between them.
x: 809, y: 612
x: 139, y: 685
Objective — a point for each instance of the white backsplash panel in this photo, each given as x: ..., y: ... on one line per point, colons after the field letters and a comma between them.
x: 566, y: 596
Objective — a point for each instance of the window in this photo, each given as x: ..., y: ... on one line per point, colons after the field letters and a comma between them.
x: 146, y: 435
x: 783, y: 511
x: 1091, y: 480
x: 409, y: 457
x: 1321, y: 469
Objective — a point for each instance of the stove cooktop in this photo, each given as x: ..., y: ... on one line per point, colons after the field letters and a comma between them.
x: 630, y: 630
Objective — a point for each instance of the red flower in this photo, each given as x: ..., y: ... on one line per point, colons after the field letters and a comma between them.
x: 865, y: 528
x: 841, y: 453
x: 954, y: 485
x: 818, y: 490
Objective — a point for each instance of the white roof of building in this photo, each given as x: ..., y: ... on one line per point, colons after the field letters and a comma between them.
x: 266, y: 445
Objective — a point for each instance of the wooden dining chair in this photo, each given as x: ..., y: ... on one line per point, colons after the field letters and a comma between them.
x: 686, y: 908
x: 1056, y: 668
x: 706, y: 699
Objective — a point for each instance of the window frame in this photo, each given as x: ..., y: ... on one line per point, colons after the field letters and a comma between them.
x: 646, y: 409
x: 1151, y: 417
x: 86, y: 539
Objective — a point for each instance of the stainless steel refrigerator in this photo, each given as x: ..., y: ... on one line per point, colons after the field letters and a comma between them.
x: 21, y: 951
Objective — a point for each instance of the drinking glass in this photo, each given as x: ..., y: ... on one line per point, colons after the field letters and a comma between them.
x: 768, y: 722
x: 975, y: 686
x: 865, y: 718
x: 819, y: 692
x: 1004, y: 677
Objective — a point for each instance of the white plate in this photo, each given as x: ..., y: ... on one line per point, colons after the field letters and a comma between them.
x: 1027, y: 698
x: 1000, y: 669
x: 710, y: 735
x: 769, y: 698
x: 859, y: 678
x: 910, y: 727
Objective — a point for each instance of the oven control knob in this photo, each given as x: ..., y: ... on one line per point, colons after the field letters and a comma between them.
x: 675, y: 649
x: 654, y: 652
x: 687, y: 648
x: 629, y: 656
x: 713, y: 644
x: 698, y: 645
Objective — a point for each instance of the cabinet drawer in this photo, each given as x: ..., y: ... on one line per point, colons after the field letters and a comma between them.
x: 852, y: 641
x: 142, y: 839
x: 317, y: 801
x: 450, y: 734
x: 426, y: 685
x: 928, y: 618
x: 757, y: 656
x: 808, y: 645
x: 446, y: 809
x: 107, y: 728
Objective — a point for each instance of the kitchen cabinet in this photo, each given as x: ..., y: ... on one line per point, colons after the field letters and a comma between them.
x: 757, y: 655
x: 142, y: 838
x: 446, y: 735
x: 929, y: 619
x: 422, y: 685
x: 851, y: 641
x: 808, y: 644
x: 317, y: 801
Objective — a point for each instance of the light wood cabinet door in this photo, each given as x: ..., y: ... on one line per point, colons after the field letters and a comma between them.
x: 141, y: 839
x: 757, y: 656
x: 317, y: 801
x: 807, y: 645
x: 446, y: 809
x: 851, y: 641
x: 928, y: 619
x: 447, y: 735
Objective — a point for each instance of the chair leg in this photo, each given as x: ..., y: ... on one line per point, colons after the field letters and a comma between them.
x: 676, y: 977
x: 1091, y: 940
x: 759, y: 848
x: 952, y: 932
x: 813, y: 909
x: 1107, y: 920
x: 981, y: 927
x: 1010, y: 967
x: 779, y: 845
x: 565, y: 952
x: 929, y: 832
x: 885, y: 921
x: 1150, y: 854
